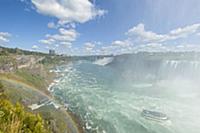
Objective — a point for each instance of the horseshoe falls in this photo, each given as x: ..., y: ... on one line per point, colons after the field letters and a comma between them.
x: 110, y: 98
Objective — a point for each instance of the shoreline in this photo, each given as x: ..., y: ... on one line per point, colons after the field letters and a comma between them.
x: 56, y: 79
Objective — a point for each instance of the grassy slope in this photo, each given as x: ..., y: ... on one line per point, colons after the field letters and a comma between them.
x: 25, y: 76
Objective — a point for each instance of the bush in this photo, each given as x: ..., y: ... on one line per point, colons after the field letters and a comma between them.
x: 17, y: 120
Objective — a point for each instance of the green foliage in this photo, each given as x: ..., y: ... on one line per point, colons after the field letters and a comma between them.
x: 17, y: 120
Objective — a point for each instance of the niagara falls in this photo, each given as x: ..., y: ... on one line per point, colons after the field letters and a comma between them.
x: 110, y: 98
x: 99, y: 66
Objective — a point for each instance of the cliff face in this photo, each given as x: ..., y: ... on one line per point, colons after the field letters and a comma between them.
x: 11, y: 63
x: 7, y: 64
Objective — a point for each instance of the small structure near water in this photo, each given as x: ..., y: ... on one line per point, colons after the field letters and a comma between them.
x: 44, y: 102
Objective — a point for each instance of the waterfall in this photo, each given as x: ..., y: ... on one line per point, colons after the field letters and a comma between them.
x: 137, y: 67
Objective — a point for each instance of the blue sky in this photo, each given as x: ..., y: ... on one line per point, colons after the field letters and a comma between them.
x: 100, y: 26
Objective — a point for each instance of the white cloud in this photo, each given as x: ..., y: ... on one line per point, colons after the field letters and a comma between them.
x: 71, y: 25
x: 185, y: 31
x: 22, y: 0
x: 66, y: 44
x: 51, y: 25
x: 64, y: 37
x: 149, y: 41
x: 158, y: 47
x: 140, y: 39
x: 68, y: 13
x: 125, y: 43
x: 89, y: 46
x: 146, y: 36
x: 108, y: 50
x: 49, y: 41
x: 68, y: 10
x: 152, y: 47
x: 151, y: 37
x: 4, y: 36
x: 119, y: 43
x: 187, y: 47
x: 69, y: 35
x: 35, y: 47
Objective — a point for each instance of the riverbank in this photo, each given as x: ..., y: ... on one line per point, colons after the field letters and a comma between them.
x: 26, y: 78
x: 57, y: 78
x: 27, y: 94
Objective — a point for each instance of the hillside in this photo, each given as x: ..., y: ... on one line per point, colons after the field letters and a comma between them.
x: 25, y: 77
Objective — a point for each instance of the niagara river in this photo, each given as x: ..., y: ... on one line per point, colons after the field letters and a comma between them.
x: 110, y: 98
